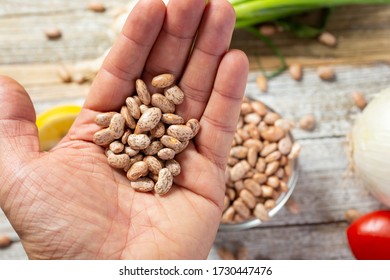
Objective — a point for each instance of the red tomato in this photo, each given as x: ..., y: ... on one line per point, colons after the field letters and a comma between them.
x: 369, y: 236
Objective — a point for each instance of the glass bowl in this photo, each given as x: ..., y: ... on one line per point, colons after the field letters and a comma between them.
x: 253, y: 221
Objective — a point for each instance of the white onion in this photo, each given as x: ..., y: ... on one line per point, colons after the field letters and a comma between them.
x: 371, y: 146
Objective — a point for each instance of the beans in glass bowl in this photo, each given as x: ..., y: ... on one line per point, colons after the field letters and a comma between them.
x: 261, y: 173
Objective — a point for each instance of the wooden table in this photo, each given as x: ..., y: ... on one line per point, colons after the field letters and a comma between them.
x: 324, y: 190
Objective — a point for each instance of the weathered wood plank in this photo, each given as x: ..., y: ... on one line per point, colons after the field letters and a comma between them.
x: 323, y: 193
x: 330, y: 102
x: 324, y: 190
x: 14, y: 252
x: 307, y: 242
x: 294, y: 242
x: 324, y: 158
x: 86, y: 34
x: 13, y: 8
x: 362, y: 32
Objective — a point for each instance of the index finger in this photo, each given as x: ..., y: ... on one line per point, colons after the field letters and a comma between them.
x: 127, y: 57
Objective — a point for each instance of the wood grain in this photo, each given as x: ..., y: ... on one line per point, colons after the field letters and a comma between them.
x: 323, y: 192
x: 85, y: 35
x: 308, y: 242
x: 362, y: 32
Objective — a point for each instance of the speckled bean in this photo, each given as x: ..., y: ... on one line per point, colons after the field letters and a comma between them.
x: 148, y: 120
x: 166, y: 154
x: 158, y: 131
x: 142, y: 91
x: 153, y: 148
x: 173, y: 166
x: 153, y: 163
x: 103, y: 137
x: 117, y: 125
x: 142, y: 184
x: 137, y: 170
x: 195, y: 126
x: 174, y: 94
x: 116, y: 147
x: 163, y: 80
x: 164, y: 182
x: 129, y: 120
x: 180, y: 132
x: 118, y: 161
x: 104, y: 119
x: 172, y: 119
x: 138, y: 141
x: 171, y: 142
x: 133, y: 107
x: 160, y: 101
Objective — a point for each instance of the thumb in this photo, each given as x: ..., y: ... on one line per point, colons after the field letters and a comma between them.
x: 18, y: 132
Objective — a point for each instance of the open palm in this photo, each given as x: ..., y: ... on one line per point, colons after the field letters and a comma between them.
x: 68, y: 203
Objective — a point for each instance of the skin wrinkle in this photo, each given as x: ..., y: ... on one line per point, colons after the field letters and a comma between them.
x: 199, y: 95
x: 216, y: 55
x: 132, y: 217
x: 165, y: 235
x: 203, y: 158
x: 118, y: 73
x: 130, y: 227
x: 9, y: 179
x: 6, y: 126
x: 218, y: 160
x: 97, y: 203
x: 199, y: 216
x: 219, y: 29
x: 29, y: 223
x: 135, y: 242
x: 155, y: 69
x: 178, y: 36
x: 105, y: 238
x: 19, y: 145
x: 213, y: 203
x: 51, y: 238
x: 20, y: 179
x: 116, y: 255
x: 173, y: 26
x: 59, y: 241
x: 227, y: 96
x: 16, y: 214
x: 50, y: 194
x: 73, y: 224
x: 218, y: 125
x: 9, y: 202
x: 178, y: 30
x: 145, y: 246
x: 134, y: 41
x: 125, y: 74
x: 112, y: 223
x: 149, y: 226
x: 195, y: 210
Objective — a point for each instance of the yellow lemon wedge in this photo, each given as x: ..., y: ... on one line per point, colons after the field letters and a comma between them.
x: 54, y: 123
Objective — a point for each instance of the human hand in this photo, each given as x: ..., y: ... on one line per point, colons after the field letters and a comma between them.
x: 68, y: 203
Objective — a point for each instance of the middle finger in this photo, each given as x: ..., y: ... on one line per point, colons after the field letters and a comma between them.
x: 171, y: 49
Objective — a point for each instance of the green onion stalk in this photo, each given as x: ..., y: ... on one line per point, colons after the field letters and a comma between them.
x: 251, y: 13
